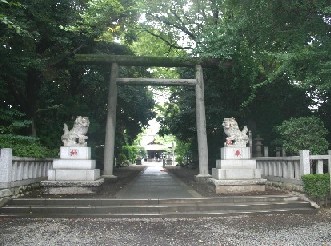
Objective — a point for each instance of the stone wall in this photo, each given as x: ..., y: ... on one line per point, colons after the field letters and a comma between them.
x: 15, y: 192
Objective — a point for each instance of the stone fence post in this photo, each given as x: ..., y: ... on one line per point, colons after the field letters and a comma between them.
x: 304, y: 162
x: 258, y: 146
x: 266, y: 151
x: 6, y: 158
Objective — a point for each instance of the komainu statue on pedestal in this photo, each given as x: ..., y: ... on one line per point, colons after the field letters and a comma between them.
x: 76, y: 136
x: 235, y: 137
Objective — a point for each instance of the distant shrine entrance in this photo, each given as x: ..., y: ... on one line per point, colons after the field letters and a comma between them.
x: 115, y: 61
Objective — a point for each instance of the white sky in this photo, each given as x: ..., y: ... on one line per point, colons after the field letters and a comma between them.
x: 153, y: 127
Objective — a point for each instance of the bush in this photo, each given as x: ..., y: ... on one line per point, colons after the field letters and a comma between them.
x: 180, y: 160
x: 182, y: 152
x: 122, y: 160
x: 317, y: 186
x: 303, y: 133
x: 131, y: 152
x: 24, y: 146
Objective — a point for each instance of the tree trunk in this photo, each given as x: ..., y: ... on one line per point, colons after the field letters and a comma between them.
x: 33, y: 127
x: 32, y: 89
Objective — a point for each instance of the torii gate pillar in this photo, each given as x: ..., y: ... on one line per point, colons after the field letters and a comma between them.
x: 111, y: 123
x: 201, y: 125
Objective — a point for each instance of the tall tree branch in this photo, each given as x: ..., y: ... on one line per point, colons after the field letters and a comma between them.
x: 170, y: 44
x: 184, y: 29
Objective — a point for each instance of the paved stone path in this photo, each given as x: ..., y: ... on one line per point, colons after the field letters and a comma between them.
x: 156, y: 183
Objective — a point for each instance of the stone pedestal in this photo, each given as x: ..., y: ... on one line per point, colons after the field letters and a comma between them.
x: 236, y: 172
x: 73, y: 173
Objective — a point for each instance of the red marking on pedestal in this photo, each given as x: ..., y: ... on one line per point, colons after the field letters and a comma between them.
x: 238, y: 153
x: 73, y: 152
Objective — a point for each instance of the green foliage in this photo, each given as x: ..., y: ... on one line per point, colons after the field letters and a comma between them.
x: 165, y: 139
x: 39, y: 79
x: 147, y: 44
x: 286, y: 101
x: 264, y: 84
x: 132, y: 152
x: 135, y: 106
x: 12, y: 123
x: 9, y: 21
x: 100, y: 19
x: 181, y: 21
x: 279, y: 52
x: 317, y: 186
x: 182, y: 152
x: 304, y: 133
x: 24, y: 146
x: 122, y: 160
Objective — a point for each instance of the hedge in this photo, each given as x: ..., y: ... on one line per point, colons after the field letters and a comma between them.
x: 317, y: 186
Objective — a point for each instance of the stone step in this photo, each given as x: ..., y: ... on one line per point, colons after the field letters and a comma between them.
x: 110, y: 202
x: 150, y: 209
x: 154, y: 208
x: 219, y: 213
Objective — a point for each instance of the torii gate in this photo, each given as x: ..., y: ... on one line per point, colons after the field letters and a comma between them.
x: 118, y: 60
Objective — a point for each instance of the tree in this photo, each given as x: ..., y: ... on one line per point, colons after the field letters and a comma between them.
x: 12, y: 129
x: 277, y: 38
x: 303, y: 133
x: 39, y: 49
x: 34, y: 53
x: 39, y: 78
x: 182, y: 21
x: 274, y: 52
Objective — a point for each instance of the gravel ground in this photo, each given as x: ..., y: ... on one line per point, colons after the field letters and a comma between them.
x: 235, y: 230
x: 273, y: 229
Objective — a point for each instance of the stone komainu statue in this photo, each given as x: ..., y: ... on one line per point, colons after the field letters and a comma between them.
x: 235, y: 137
x: 76, y: 136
